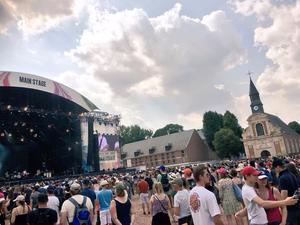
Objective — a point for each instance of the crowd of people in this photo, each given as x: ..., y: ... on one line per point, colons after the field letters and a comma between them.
x: 257, y: 192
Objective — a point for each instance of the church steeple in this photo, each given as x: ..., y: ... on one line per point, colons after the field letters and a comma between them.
x: 256, y: 104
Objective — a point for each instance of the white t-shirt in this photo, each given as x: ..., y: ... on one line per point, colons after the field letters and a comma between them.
x: 256, y: 213
x: 69, y: 208
x: 53, y: 203
x: 205, y: 206
x: 181, y: 200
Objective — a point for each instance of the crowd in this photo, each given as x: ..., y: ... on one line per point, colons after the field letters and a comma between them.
x: 258, y: 192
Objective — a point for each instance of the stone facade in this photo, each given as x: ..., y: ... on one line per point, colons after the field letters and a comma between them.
x: 266, y: 134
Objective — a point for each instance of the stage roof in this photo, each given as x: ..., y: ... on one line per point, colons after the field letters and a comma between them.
x: 15, y: 82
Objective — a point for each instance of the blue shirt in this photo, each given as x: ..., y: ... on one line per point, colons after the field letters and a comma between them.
x: 104, y: 197
x: 90, y: 194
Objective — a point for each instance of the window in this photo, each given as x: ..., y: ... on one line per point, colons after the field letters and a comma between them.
x: 168, y: 147
x: 260, y: 129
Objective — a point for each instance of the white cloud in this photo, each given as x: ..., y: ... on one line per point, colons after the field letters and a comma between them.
x: 34, y: 16
x: 279, y: 83
x: 219, y: 86
x: 191, y: 121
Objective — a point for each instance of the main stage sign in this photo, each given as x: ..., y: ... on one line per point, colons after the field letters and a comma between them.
x: 22, y: 80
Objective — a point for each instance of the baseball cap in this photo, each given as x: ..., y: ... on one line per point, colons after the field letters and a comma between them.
x: 187, y: 172
x: 20, y: 198
x: 249, y: 170
x: 178, y: 181
x: 162, y: 167
x: 262, y: 175
x: 75, y: 187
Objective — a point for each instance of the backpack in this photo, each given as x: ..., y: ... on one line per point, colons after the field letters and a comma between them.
x: 165, y: 182
x: 42, y: 218
x: 81, y: 214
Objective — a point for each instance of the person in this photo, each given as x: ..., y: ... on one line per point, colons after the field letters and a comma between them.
x: 275, y: 216
x: 288, y: 185
x: 3, y: 211
x: 150, y: 182
x: 203, y: 203
x: 160, y: 204
x: 143, y: 188
x: 68, y: 208
x: 87, y: 191
x: 19, y: 213
x: 53, y: 201
x: 235, y: 179
x: 104, y: 197
x: 254, y: 204
x: 187, y: 172
x: 181, y: 203
x: 121, y: 209
x: 163, y: 178
x: 229, y: 202
x: 42, y: 215
x: 34, y: 195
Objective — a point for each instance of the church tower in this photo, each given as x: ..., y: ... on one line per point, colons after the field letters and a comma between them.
x: 256, y: 104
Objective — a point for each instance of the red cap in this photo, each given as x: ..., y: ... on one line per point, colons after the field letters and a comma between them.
x: 187, y: 172
x: 222, y: 170
x: 249, y: 170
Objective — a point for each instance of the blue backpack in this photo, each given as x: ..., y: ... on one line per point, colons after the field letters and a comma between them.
x: 82, y: 213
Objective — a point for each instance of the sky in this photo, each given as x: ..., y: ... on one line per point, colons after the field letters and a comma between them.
x: 156, y: 62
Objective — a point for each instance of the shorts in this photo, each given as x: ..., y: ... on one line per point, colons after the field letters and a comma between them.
x: 105, y: 217
x: 144, y: 198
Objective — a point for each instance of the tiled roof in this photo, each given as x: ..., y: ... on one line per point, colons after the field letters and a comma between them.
x: 178, y: 141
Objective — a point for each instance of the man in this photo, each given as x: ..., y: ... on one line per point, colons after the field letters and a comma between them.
x: 42, y: 215
x: 203, y: 203
x: 150, y: 182
x: 68, y: 207
x: 181, y: 202
x: 143, y: 188
x: 53, y: 201
x: 187, y: 172
x: 254, y: 204
x: 88, y: 192
x: 288, y: 185
x: 104, y: 198
x: 34, y: 196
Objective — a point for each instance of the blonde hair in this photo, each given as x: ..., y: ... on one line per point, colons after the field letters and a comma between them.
x: 158, y: 188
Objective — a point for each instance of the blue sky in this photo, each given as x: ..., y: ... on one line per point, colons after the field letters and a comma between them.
x: 157, y: 62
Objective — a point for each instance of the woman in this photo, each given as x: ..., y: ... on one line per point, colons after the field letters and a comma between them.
x: 121, y: 208
x: 19, y: 213
x: 3, y: 211
x: 235, y: 179
x: 266, y: 192
x: 229, y: 202
x: 160, y: 204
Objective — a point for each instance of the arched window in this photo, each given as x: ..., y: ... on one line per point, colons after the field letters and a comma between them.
x: 260, y: 129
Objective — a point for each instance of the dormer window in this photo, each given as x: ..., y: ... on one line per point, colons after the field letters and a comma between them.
x: 152, y: 150
x: 168, y: 147
x: 137, y: 153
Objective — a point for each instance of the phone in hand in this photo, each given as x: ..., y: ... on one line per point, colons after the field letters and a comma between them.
x: 297, y: 194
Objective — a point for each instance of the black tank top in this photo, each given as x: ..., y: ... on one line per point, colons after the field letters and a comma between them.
x: 123, y: 212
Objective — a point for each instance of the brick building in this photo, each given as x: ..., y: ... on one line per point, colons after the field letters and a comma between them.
x: 266, y: 134
x: 182, y: 147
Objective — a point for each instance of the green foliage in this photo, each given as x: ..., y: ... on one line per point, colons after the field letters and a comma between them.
x: 168, y: 129
x: 231, y: 122
x: 227, y: 143
x: 295, y: 126
x: 212, y: 122
x: 129, y: 134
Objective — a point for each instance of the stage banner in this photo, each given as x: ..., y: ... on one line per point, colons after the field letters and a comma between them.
x: 85, y: 142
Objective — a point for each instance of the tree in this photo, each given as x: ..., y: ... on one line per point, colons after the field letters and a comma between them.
x: 129, y: 134
x: 295, y: 126
x: 231, y: 122
x: 168, y: 129
x: 227, y: 144
x: 212, y: 122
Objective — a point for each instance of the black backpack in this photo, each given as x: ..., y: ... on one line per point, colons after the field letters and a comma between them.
x: 165, y: 182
